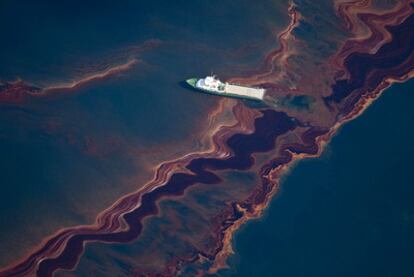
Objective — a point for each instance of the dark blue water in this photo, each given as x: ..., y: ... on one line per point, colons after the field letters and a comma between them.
x: 349, y: 213
x: 47, y: 34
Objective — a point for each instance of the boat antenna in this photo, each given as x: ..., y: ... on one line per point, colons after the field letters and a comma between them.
x: 212, y: 73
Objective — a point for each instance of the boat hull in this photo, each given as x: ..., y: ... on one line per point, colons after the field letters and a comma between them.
x: 193, y: 83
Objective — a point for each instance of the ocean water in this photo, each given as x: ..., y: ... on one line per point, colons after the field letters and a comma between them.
x: 65, y: 158
x: 348, y: 213
x: 64, y: 36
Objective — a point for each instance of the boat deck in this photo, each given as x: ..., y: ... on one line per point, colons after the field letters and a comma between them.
x: 257, y: 93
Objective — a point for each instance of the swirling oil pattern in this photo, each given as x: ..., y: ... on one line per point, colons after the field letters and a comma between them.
x: 183, y: 175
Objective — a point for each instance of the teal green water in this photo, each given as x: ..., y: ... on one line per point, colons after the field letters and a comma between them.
x: 349, y: 213
x: 67, y: 157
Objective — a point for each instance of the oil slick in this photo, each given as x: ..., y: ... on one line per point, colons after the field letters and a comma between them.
x: 262, y: 142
